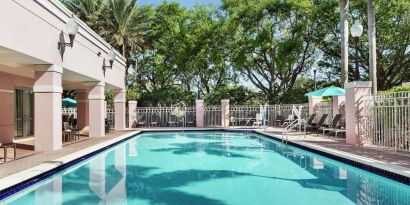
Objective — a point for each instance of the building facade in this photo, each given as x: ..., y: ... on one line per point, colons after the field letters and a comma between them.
x: 34, y: 71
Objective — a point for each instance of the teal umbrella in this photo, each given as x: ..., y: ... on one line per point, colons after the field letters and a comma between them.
x: 68, y: 102
x: 329, y: 91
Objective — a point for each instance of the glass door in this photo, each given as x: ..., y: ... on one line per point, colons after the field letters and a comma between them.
x: 24, y: 112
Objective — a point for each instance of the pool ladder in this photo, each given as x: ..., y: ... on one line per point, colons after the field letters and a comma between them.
x: 298, y: 122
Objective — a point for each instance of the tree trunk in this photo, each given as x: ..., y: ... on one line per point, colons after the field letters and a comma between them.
x: 344, y: 11
x: 372, y: 43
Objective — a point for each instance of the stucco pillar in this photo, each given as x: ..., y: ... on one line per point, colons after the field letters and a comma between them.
x: 199, y: 109
x: 313, y: 101
x: 7, y: 115
x: 225, y: 113
x: 82, y: 110
x: 47, y: 107
x: 119, y: 110
x: 96, y: 110
x: 337, y: 101
x: 132, y: 114
x: 354, y: 109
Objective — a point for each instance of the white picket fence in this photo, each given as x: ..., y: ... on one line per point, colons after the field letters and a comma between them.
x: 386, y: 120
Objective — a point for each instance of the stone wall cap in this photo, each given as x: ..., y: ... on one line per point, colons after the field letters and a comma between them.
x: 359, y: 84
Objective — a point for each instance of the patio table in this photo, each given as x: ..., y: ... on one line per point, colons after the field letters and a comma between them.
x: 5, y: 147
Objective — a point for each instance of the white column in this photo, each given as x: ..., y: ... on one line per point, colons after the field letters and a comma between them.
x: 47, y: 107
x: 225, y: 113
x: 96, y: 99
x: 132, y: 114
x: 119, y: 108
x: 199, y: 107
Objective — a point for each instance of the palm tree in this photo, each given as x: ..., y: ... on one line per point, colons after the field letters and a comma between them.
x: 120, y: 22
x: 124, y: 27
x: 88, y: 11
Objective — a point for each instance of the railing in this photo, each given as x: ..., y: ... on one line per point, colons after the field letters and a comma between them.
x: 242, y: 115
x: 212, y: 116
x: 324, y: 108
x: 276, y: 113
x: 111, y: 117
x: 165, y: 116
x: 386, y: 120
x: 69, y: 111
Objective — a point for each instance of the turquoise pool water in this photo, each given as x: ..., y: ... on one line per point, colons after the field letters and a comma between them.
x: 216, y: 168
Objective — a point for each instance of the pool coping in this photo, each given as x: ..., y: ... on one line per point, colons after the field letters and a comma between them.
x: 21, y: 180
x: 384, y: 169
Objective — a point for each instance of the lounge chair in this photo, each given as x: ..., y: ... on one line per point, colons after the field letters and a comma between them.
x: 141, y: 119
x: 309, y: 122
x: 258, y: 121
x: 290, y: 119
x: 172, y: 120
x: 333, y: 125
x: 190, y: 121
x: 318, y: 125
x: 154, y: 120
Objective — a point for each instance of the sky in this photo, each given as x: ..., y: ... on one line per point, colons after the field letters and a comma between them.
x: 186, y: 3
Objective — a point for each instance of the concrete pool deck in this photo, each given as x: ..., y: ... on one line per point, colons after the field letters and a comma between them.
x: 22, y: 169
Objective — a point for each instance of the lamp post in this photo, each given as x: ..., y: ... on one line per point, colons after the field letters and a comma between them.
x: 356, y: 31
x: 314, y: 68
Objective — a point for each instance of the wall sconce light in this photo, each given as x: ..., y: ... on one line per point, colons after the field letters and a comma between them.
x: 111, y: 57
x: 71, y: 28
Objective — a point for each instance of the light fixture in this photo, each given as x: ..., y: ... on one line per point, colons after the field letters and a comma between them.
x: 357, y: 29
x: 111, y: 57
x: 314, y: 68
x: 71, y: 28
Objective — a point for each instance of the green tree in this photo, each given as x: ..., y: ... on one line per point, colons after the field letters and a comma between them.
x: 273, y: 45
x: 392, y: 40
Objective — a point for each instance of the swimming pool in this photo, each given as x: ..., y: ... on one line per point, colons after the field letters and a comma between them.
x: 216, y: 168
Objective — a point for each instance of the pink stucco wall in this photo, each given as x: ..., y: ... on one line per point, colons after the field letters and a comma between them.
x: 7, y: 85
x: 354, y: 109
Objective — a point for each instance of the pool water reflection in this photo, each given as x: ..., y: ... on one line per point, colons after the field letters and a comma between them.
x: 214, y: 168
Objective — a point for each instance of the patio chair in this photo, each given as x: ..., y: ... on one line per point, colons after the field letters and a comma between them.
x: 67, y: 132
x: 190, y: 121
x: 141, y: 119
x: 333, y: 125
x: 154, y: 120
x: 172, y: 121
x: 316, y: 127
